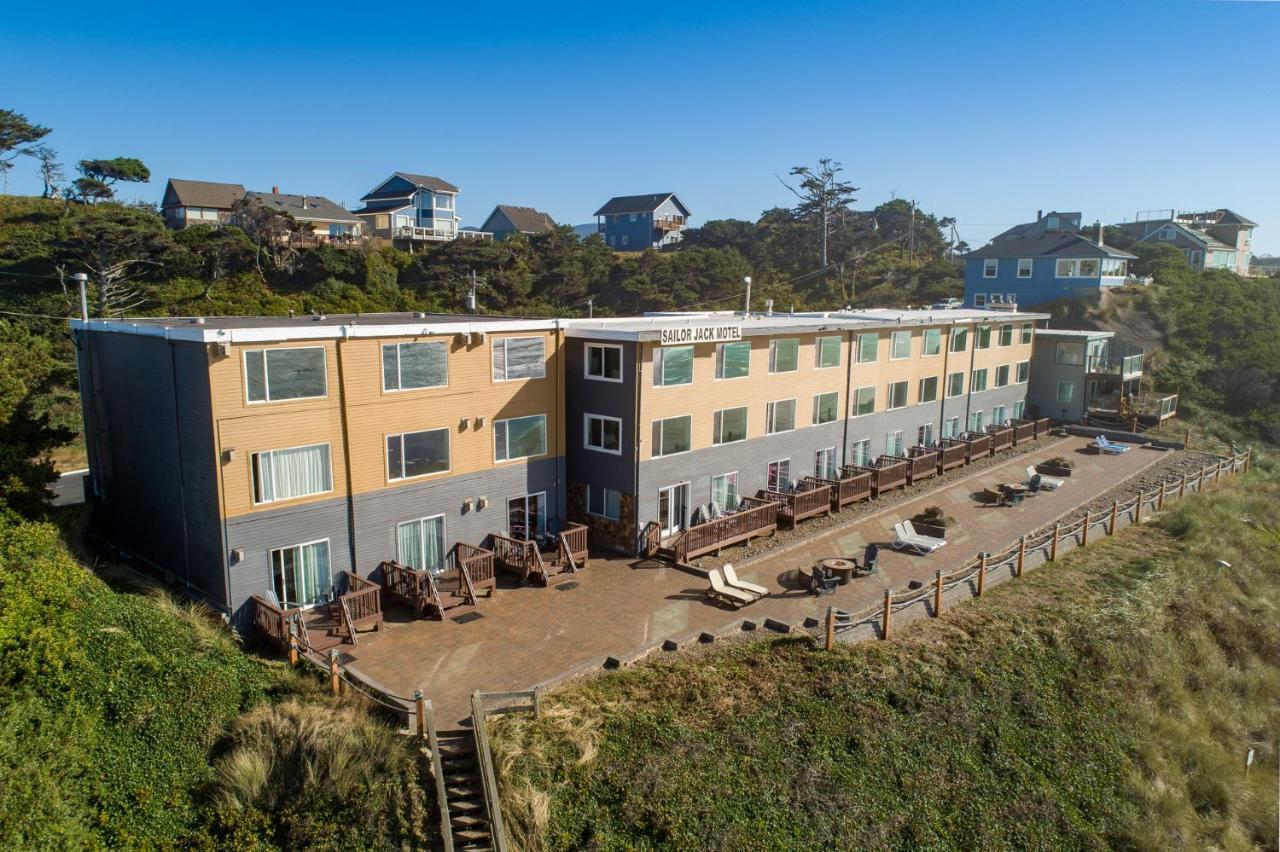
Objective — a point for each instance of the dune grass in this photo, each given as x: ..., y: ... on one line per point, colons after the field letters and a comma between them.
x: 1106, y: 701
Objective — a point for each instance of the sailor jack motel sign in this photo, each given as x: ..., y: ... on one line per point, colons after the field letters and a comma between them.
x: 701, y: 334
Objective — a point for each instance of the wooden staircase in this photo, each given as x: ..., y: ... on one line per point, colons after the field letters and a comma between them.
x: 468, y: 821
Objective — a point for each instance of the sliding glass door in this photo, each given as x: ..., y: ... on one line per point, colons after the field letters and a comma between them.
x: 527, y: 517
x: 420, y: 544
x: 301, y: 574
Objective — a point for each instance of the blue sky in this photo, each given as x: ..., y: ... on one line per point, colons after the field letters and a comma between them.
x: 985, y: 112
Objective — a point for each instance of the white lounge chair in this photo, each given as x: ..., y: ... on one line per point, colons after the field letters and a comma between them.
x: 1046, y: 481
x: 722, y: 591
x: 907, y: 538
x: 1110, y: 447
x: 731, y: 577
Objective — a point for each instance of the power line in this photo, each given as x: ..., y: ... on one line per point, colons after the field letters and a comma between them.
x: 33, y: 316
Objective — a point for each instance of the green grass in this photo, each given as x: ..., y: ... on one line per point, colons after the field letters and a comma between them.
x: 1106, y: 701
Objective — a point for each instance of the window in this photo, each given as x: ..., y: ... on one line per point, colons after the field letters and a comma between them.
x: 292, y: 473
x: 604, y: 362
x: 897, y: 395
x: 604, y: 502
x: 955, y: 384
x: 824, y: 463
x: 924, y: 435
x: 959, y: 339
x: 778, y: 475
x: 868, y: 348
x: 1026, y: 333
x: 997, y: 299
x: 724, y: 490
x: 527, y: 516
x: 733, y: 360
x: 407, y: 366
x: 932, y: 341
x: 300, y: 574
x: 417, y: 453
x: 519, y: 358
x: 1011, y: 298
x: 951, y: 427
x: 1066, y: 391
x: 979, y: 381
x: 780, y: 416
x: 784, y: 355
x: 893, y: 444
x: 826, y: 407
x: 1006, y: 335
x: 928, y: 389
x: 997, y: 415
x: 672, y: 435
x: 729, y: 425
x: 602, y: 433
x: 1069, y: 354
x: 420, y: 544
x: 520, y: 437
x: 1066, y: 269
x: 864, y: 401
x: 984, y: 337
x: 900, y: 345
x: 828, y: 352
x: 1087, y: 267
x: 976, y: 421
x: 990, y: 267
x: 1024, y: 267
x: 1002, y: 376
x: 673, y: 366
x: 1113, y: 267
x: 860, y: 452
x: 1167, y: 234
x: 1019, y: 408
x: 979, y: 300
x: 1023, y: 372
x: 273, y: 375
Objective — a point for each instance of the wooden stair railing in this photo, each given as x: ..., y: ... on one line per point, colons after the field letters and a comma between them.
x: 651, y: 540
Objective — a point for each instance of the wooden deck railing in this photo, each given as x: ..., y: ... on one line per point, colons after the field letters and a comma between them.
x: 923, y: 464
x: 1042, y: 426
x: 811, y: 498
x: 1023, y: 430
x: 887, y: 473
x: 847, y: 489
x: 759, y: 517
x: 273, y: 622
x: 573, y: 545
x: 979, y: 444
x: 526, y: 560
x: 651, y: 539
x: 416, y: 589
x: 359, y: 606
x: 1001, y: 437
x: 952, y: 453
x: 476, y: 563
x: 518, y: 556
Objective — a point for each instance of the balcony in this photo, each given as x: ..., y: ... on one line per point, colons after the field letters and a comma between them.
x: 668, y: 223
x: 1124, y: 367
x: 417, y: 234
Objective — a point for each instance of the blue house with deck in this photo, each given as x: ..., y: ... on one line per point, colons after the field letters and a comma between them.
x: 1041, y: 266
x: 638, y: 222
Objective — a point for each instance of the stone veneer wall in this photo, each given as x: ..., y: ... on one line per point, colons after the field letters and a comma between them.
x: 617, y: 535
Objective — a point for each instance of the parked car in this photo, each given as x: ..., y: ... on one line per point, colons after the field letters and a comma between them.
x: 946, y: 305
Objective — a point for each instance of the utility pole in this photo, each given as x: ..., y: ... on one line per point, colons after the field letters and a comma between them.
x: 83, y: 281
x: 591, y: 307
x: 911, y: 231
x: 471, y: 296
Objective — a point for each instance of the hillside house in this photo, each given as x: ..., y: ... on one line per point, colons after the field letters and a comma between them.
x: 198, y: 202
x: 1041, y: 267
x: 508, y: 219
x: 638, y: 222
x: 322, y: 220
x: 410, y: 209
x: 1215, y: 239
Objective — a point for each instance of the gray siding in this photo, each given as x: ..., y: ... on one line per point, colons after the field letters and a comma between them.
x: 1042, y: 391
x: 614, y: 399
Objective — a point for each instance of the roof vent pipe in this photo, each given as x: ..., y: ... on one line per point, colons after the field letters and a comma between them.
x: 768, y: 307
x: 746, y: 305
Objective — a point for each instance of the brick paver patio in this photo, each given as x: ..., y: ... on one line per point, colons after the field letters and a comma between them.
x: 621, y: 607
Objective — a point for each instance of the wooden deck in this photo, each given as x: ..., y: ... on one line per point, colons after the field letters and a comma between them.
x: 952, y: 453
x: 922, y: 464
x: 847, y: 489
x: 753, y: 518
x: 530, y: 563
x: 887, y: 473
x: 811, y: 498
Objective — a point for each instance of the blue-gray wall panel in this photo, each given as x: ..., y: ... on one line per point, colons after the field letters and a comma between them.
x: 614, y: 399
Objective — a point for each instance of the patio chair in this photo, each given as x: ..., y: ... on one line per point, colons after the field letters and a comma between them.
x: 1048, y: 482
x: 822, y: 581
x: 731, y: 577
x: 1109, y: 447
x: 720, y: 590
x: 908, y: 539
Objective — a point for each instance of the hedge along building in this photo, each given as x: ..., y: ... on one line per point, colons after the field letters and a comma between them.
x: 670, y: 412
x: 242, y: 454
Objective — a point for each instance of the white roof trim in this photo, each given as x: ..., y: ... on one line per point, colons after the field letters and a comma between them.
x: 196, y: 333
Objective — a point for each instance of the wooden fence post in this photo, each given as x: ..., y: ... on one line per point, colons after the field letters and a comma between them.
x: 1053, y: 548
x: 420, y: 710
x: 1115, y: 516
x: 1182, y: 487
x: 831, y: 628
x: 1022, y: 554
x: 888, y: 613
x: 1137, y: 508
x: 1084, y: 531
x: 293, y: 650
x: 1187, y: 442
x: 1160, y: 497
x: 982, y: 572
x: 937, y: 593
x: 1248, y: 460
x: 333, y: 672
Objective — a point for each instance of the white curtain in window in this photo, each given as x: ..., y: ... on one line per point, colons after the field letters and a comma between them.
x: 296, y: 472
x: 302, y: 574
x: 421, y: 544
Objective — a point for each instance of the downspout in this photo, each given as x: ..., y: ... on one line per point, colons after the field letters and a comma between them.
x: 848, y: 399
x: 346, y: 452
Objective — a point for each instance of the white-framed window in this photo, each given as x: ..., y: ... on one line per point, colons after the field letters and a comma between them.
x: 899, y: 345
x: 928, y: 390
x: 604, y: 502
x: 955, y: 384
x: 784, y: 355
x: 420, y: 544
x: 300, y: 573
x: 672, y: 365
x: 780, y: 416
x: 603, y: 362
x: 1066, y: 391
x: 1065, y: 268
x: 1167, y: 234
x: 1006, y: 335
x: 729, y: 425
x: 959, y: 339
x: 516, y: 358
x: 897, y: 395
x: 977, y: 421
x: 519, y: 437
x: 827, y: 352
x: 893, y: 444
x: 602, y: 433
x: 997, y: 299
x: 291, y: 473
x: 1023, y: 372
x: 1026, y: 332
x: 860, y: 452
x: 868, y: 348
x: 864, y: 401
x: 932, y: 344
x: 1024, y: 267
x: 1068, y: 354
x: 672, y: 435
x: 951, y: 427
x: 979, y: 300
x: 979, y: 381
x: 924, y: 435
x: 1002, y: 376
x: 997, y: 415
x: 1088, y: 267
x: 778, y: 475
x: 724, y: 490
x: 1019, y: 408
x: 990, y: 267
x: 622, y: 240
x: 276, y: 375
x: 824, y: 463
x: 1011, y: 298
x: 984, y: 337
x: 826, y: 407
x: 414, y: 365
x: 414, y: 454
x: 733, y: 360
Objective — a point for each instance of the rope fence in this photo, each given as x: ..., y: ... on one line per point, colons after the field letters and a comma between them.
x: 1047, y: 542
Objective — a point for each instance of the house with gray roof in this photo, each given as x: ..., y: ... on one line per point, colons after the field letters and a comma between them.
x: 411, y: 209
x: 508, y: 219
x: 1044, y: 223
x: 638, y: 222
x: 321, y: 220
x: 1212, y: 239
x: 198, y: 202
x: 1032, y: 270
